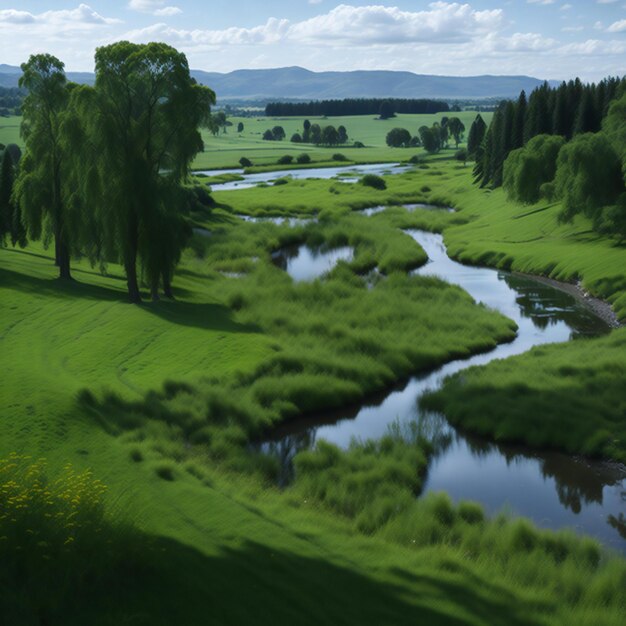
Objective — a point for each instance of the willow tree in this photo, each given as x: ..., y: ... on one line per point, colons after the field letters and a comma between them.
x: 41, y: 184
x: 144, y: 112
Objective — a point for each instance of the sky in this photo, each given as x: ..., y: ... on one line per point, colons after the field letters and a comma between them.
x: 548, y: 39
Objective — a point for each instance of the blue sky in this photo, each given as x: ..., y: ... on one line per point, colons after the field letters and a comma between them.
x: 555, y: 39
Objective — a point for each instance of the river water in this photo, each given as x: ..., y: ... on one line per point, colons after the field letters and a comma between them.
x: 345, y: 172
x: 555, y: 490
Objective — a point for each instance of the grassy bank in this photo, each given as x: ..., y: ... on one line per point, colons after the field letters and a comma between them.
x: 564, y: 396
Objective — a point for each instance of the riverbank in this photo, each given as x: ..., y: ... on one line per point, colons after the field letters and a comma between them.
x: 601, y: 308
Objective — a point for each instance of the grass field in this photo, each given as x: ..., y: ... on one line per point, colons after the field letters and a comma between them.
x: 160, y: 402
x: 225, y: 150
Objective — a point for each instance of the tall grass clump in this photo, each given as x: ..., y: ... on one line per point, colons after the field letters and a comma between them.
x: 57, y: 541
x: 369, y: 483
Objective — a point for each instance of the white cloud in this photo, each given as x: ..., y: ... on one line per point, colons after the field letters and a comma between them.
x: 347, y: 25
x: 617, y: 27
x: 64, y: 33
x: 572, y: 29
x: 154, y: 7
x: 540, y: 1
x: 566, y: 7
x: 81, y: 15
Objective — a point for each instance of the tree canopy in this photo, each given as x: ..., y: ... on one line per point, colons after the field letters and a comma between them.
x: 527, y: 169
x: 41, y: 189
x: 398, y: 138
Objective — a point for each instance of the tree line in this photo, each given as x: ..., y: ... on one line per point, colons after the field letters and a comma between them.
x: 103, y: 171
x: 432, y: 138
x: 11, y: 99
x: 354, y: 106
x: 566, y: 144
x: 571, y: 109
x: 311, y: 133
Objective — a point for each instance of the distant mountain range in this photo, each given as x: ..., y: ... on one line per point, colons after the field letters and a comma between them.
x: 299, y: 83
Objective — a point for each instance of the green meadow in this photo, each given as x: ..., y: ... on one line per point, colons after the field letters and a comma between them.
x: 161, y: 403
x: 225, y: 149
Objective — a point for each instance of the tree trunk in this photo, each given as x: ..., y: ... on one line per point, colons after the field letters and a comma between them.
x: 131, y: 279
x: 57, y: 256
x: 130, y: 263
x: 64, y: 263
x: 167, y: 286
x: 154, y: 291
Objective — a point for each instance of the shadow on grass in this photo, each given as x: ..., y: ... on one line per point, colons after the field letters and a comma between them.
x: 207, y: 316
x: 256, y: 584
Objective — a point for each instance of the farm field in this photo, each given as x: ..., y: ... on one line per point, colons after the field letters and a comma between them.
x: 225, y: 150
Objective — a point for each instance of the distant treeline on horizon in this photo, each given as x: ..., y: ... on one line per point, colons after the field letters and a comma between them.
x: 354, y: 106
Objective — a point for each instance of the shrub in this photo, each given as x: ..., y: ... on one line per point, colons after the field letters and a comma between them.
x: 165, y: 471
x: 303, y: 158
x: 285, y: 160
x: 461, y: 155
x: 415, y: 159
x: 371, y: 180
x: 245, y: 162
x: 296, y: 138
x: 358, y: 144
x: 339, y: 157
x: 280, y: 181
x: 136, y: 455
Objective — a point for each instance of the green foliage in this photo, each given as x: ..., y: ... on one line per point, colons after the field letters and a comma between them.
x: 568, y: 110
x: 286, y: 159
x: 303, y: 158
x: 398, y: 138
x: 372, y: 180
x: 430, y: 138
x: 527, y: 169
x: 44, y: 184
x: 245, y: 162
x: 339, y: 157
x: 456, y: 128
x: 278, y: 133
x: 614, y: 128
x: 135, y: 185
x: 386, y: 110
x: 588, y: 177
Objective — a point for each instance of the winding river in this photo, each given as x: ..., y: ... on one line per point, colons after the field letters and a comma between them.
x: 553, y: 489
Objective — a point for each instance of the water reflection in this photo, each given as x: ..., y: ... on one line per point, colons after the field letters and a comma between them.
x: 304, y: 263
x: 553, y: 489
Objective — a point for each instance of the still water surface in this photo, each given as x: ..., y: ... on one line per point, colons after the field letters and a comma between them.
x: 553, y: 489
x: 252, y: 180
